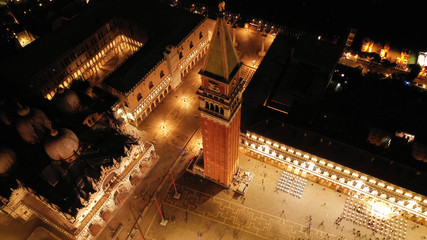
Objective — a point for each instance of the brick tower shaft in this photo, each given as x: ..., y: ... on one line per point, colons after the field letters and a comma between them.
x: 220, y: 98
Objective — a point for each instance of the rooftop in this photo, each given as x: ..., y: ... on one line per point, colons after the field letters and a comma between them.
x: 161, y: 33
x: 160, y: 30
x: 284, y: 95
x: 45, y: 50
x: 305, y: 70
x: 100, y: 144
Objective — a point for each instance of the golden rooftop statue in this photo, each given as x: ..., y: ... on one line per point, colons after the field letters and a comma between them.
x: 221, y: 6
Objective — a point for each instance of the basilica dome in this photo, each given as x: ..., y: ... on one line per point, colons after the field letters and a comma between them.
x: 31, y: 124
x: 66, y: 101
x: 63, y: 145
x: 4, y: 118
x: 7, y: 159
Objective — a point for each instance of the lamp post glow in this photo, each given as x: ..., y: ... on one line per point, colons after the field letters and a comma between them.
x: 185, y: 101
x: 163, y: 127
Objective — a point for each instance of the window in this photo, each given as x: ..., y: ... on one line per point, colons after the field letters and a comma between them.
x: 150, y: 85
x: 139, y: 97
x: 191, y: 44
x: 200, y: 35
x: 180, y: 55
x: 162, y: 73
x: 206, y: 105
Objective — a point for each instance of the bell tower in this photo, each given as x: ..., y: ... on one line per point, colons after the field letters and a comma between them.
x: 220, y: 98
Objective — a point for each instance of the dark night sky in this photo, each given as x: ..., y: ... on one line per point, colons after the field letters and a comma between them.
x: 397, y: 22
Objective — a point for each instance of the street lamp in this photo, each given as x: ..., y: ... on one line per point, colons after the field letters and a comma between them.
x: 163, y: 127
x: 185, y: 101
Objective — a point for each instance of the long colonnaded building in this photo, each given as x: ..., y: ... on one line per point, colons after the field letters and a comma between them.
x: 285, y: 91
x: 128, y: 49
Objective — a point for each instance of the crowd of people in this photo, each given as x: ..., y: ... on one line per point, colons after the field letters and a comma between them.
x: 360, y: 213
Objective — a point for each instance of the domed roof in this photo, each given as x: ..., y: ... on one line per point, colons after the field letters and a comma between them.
x: 7, y: 159
x: 66, y: 101
x: 32, y: 124
x: 4, y: 118
x: 63, y: 145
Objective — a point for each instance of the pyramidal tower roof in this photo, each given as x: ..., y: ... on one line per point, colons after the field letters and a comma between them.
x: 221, y: 62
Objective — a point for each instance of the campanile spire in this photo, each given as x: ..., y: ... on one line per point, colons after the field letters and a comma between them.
x: 221, y: 60
x: 220, y: 102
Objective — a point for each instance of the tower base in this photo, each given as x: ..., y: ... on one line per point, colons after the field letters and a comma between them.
x: 241, y: 181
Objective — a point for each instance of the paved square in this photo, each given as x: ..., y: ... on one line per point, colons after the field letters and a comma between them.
x: 264, y: 212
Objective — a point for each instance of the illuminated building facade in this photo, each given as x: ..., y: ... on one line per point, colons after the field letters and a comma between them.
x: 402, y: 61
x: 160, y: 70
x: 73, y: 179
x: 367, y: 45
x: 220, y: 99
x: 271, y: 132
x: 350, y: 37
x: 422, y: 61
x: 112, y: 42
x: 116, y: 49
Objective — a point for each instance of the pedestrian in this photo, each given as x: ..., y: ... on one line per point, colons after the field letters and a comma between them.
x: 342, y: 228
x: 324, y: 204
